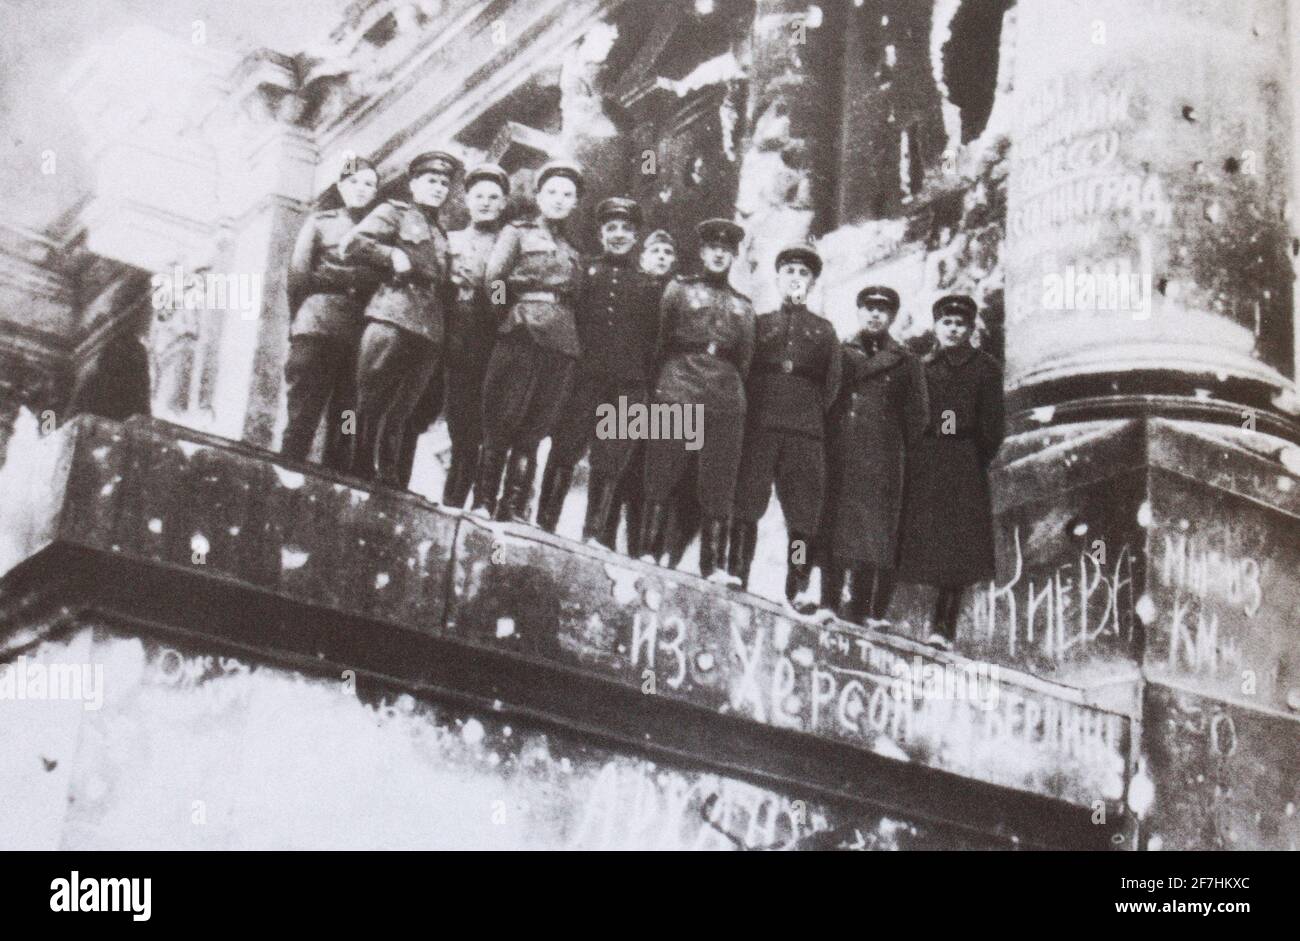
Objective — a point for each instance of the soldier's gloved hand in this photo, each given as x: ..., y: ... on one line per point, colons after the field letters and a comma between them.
x: 401, y: 263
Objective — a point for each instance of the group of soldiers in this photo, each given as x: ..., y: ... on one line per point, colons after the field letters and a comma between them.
x: 878, y: 457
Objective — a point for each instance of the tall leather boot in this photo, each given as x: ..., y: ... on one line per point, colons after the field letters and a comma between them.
x: 403, y: 464
x: 623, y: 497
x: 799, y: 573
x: 365, y: 445
x: 600, y: 500
x: 740, y: 552
x: 652, y: 530
x: 834, y: 572
x: 857, y: 577
x: 460, y: 476
x: 633, y: 514
x: 513, y: 506
x: 685, y: 525
x: 487, y: 485
x: 882, y: 592
x: 555, y: 487
x: 947, y: 607
x: 713, y: 549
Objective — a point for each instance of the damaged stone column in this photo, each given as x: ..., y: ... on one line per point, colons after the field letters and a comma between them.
x: 200, y: 180
x: 1146, y: 498
x: 1147, y: 244
x: 269, y: 174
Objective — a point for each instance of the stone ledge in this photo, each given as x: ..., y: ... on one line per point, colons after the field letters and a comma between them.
x: 171, y: 531
x: 1224, y: 776
x: 1140, y: 547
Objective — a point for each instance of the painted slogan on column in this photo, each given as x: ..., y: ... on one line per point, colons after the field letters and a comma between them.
x: 1147, y: 191
x: 1079, y: 211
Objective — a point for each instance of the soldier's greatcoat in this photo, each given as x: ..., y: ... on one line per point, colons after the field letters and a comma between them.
x: 947, y: 532
x: 877, y: 419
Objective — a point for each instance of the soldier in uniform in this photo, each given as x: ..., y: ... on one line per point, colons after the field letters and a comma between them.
x: 792, y: 384
x: 405, y: 244
x: 326, y: 297
x: 659, y: 254
x: 707, y: 343
x: 658, y: 260
x: 875, y: 424
x: 469, y: 340
x: 530, y: 371
x: 426, y: 411
x: 947, y: 532
x: 472, y: 330
x: 617, y: 314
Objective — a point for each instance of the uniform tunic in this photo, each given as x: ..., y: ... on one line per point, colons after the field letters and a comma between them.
x: 471, y: 332
x: 707, y: 344
x: 417, y: 300
x: 617, y: 316
x: 326, y: 297
x: 401, y: 347
x: 881, y: 412
x: 530, y: 372
x: 947, y: 532
x: 541, y: 271
x: 792, y: 384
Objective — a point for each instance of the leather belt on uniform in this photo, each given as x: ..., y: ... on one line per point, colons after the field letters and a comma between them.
x: 789, y: 368
x: 712, y: 348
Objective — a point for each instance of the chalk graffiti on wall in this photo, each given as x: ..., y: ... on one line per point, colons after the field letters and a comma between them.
x: 665, y: 635
x: 1213, y: 596
x: 838, y: 683
x: 636, y: 804
x: 1064, y: 610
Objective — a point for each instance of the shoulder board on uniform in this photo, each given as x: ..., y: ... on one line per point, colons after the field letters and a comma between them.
x: 688, y: 278
x: 399, y: 204
x: 328, y: 213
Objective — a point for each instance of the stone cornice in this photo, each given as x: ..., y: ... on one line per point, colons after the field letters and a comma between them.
x: 458, y: 75
x: 25, y: 256
x: 311, y: 562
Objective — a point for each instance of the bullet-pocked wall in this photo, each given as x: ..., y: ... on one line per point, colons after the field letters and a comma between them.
x: 181, y: 747
x: 200, y: 563
x: 1151, y: 169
